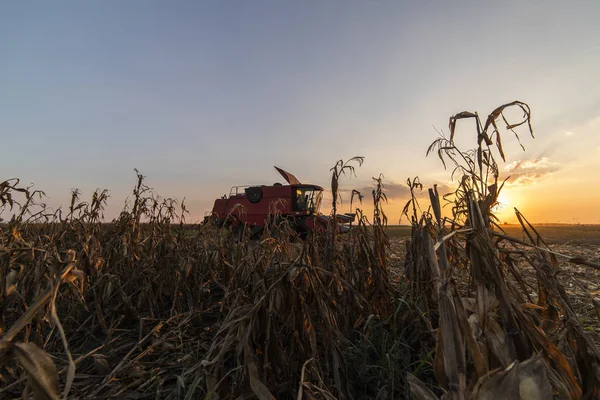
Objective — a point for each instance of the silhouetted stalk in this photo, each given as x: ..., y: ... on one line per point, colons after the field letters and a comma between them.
x: 340, y: 168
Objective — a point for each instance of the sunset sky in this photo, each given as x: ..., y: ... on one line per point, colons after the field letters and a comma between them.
x: 204, y: 95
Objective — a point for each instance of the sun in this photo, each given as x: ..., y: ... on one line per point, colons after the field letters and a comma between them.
x: 503, y: 209
x: 504, y: 199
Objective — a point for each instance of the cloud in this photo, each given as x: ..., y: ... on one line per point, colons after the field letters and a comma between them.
x: 526, y: 172
x: 395, y: 191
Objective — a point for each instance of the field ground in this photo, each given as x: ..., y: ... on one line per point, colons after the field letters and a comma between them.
x: 581, y: 282
x: 552, y: 233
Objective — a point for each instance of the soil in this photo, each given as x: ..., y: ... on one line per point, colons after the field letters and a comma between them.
x: 582, y: 283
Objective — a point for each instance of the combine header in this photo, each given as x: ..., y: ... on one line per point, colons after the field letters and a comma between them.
x: 256, y: 206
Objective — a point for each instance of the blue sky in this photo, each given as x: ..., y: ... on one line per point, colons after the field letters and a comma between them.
x: 203, y: 95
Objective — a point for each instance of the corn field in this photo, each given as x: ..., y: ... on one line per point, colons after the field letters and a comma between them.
x: 151, y: 307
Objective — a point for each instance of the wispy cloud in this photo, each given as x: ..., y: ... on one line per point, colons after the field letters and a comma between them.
x: 526, y: 172
x: 400, y: 191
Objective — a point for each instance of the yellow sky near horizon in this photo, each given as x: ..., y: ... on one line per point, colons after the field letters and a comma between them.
x: 556, y: 182
x: 563, y: 186
x: 541, y: 203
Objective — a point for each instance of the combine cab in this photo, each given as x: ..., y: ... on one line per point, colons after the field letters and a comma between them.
x: 256, y: 206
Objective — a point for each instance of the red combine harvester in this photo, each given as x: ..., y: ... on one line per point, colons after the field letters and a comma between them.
x: 256, y: 206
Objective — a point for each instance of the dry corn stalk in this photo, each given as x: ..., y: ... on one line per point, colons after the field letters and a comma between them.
x: 511, y: 342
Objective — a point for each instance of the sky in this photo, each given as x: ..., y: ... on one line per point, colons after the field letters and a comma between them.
x: 203, y: 95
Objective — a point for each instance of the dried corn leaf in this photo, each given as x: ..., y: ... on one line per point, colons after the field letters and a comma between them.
x: 419, y: 389
x: 41, y: 370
